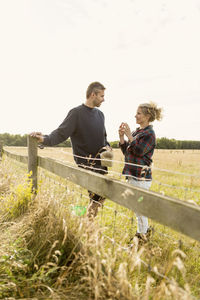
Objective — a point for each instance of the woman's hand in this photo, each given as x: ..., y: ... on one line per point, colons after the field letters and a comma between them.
x: 121, y: 133
x: 121, y: 130
x: 127, y: 131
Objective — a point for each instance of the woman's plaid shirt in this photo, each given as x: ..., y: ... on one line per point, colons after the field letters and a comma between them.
x: 140, y: 152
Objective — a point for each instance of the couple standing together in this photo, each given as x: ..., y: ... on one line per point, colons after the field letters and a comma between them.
x: 85, y: 126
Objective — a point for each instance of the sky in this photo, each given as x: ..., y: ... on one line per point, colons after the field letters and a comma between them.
x: 141, y: 50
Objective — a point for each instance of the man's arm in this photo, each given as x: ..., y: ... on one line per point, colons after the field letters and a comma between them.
x: 59, y: 135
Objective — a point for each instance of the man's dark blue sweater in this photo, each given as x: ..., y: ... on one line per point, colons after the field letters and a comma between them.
x: 86, y: 129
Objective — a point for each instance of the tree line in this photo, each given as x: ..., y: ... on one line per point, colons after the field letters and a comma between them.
x: 162, y: 143
x: 21, y: 140
x: 165, y: 143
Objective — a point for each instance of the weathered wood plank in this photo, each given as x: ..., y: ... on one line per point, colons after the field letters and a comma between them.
x: 1, y: 148
x: 179, y: 215
x: 32, y: 159
x: 20, y: 158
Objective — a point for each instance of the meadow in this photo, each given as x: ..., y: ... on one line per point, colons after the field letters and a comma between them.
x: 168, y: 267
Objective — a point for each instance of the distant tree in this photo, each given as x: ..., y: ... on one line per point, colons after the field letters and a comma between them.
x: 162, y: 143
x: 165, y: 143
x: 21, y: 140
x: 66, y: 143
x: 114, y: 144
x: 13, y: 139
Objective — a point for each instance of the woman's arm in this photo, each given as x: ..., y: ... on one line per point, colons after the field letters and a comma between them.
x: 142, y: 144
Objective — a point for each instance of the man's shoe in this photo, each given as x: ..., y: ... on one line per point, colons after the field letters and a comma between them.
x: 149, y: 233
x: 142, y: 238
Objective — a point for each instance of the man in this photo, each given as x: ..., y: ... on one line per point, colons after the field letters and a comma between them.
x: 84, y: 125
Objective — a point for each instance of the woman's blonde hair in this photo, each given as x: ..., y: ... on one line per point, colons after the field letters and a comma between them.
x: 152, y: 110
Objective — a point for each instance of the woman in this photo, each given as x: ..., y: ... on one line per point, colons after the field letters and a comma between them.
x: 138, y: 150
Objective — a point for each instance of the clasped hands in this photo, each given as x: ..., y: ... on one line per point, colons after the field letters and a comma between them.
x: 124, y: 129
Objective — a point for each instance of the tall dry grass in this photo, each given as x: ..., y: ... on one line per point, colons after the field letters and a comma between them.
x: 49, y: 253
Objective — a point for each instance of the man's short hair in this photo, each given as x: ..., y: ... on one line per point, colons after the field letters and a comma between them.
x: 94, y: 87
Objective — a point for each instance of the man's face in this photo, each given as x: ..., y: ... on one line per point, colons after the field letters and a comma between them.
x: 98, y: 98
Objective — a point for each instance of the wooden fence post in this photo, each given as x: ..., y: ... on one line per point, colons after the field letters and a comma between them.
x: 32, y: 160
x: 1, y: 148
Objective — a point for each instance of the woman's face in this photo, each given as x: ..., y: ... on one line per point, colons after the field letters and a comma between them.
x: 141, y: 118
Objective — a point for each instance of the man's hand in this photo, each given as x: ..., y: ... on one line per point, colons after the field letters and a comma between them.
x: 38, y: 136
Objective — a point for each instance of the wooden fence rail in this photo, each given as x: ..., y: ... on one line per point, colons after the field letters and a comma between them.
x: 179, y: 215
x: 1, y: 148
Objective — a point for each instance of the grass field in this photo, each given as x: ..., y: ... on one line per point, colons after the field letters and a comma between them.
x: 175, y: 256
x: 166, y: 166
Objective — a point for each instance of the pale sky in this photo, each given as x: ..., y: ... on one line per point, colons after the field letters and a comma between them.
x: 141, y: 50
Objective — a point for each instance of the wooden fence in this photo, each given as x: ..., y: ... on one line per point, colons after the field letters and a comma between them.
x: 179, y: 215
